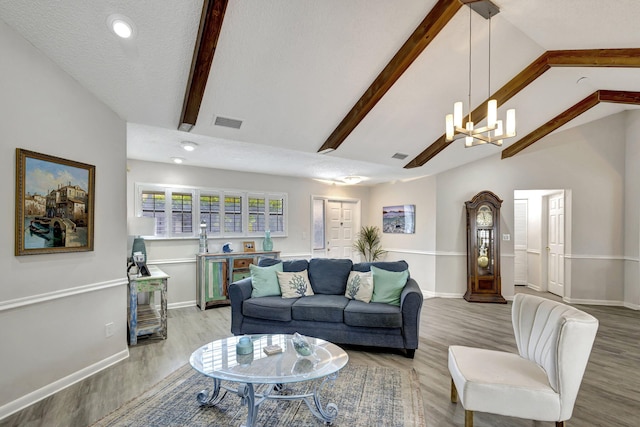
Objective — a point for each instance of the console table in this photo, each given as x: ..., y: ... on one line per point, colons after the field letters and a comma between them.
x: 215, y: 271
x: 145, y: 319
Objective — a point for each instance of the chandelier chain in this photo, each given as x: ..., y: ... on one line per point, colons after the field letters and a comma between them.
x: 489, y: 74
x: 469, y: 64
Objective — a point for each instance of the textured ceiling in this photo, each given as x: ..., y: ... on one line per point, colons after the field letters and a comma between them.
x: 291, y: 70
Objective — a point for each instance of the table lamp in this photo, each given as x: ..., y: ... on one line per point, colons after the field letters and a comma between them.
x: 140, y: 226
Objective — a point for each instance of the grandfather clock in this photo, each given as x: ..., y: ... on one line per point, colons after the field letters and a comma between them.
x: 483, y: 249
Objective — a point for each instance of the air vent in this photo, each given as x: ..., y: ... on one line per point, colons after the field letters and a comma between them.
x: 400, y: 156
x: 227, y: 122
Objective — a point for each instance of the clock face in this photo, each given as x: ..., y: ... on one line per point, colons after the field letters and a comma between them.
x: 484, y: 218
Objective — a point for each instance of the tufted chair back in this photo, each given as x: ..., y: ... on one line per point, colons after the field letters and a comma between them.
x: 558, y: 338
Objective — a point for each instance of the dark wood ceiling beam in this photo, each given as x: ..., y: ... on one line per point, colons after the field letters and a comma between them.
x: 623, y: 58
x: 619, y: 97
x: 436, y: 19
x: 205, y: 48
x: 553, y: 124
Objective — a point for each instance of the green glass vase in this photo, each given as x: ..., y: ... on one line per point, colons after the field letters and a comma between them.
x: 267, y: 243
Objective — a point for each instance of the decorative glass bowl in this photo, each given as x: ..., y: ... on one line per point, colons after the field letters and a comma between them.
x: 301, y: 345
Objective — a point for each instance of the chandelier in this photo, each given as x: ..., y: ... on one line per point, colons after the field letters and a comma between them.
x: 494, y: 131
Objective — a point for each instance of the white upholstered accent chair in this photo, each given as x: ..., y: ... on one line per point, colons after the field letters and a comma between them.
x: 542, y: 381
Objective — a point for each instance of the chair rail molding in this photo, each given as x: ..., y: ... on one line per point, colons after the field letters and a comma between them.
x: 49, y: 296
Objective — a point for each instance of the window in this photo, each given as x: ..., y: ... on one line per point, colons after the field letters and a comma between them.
x: 181, y: 213
x: 210, y: 212
x: 276, y: 215
x: 256, y: 214
x: 227, y: 213
x: 232, y: 214
x: 153, y: 206
x: 266, y: 213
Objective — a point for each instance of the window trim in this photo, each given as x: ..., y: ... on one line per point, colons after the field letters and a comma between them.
x: 196, y: 192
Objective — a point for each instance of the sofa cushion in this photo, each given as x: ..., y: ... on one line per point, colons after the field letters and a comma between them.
x: 320, y: 308
x: 385, y: 265
x: 287, y: 266
x: 269, y: 308
x: 329, y: 276
x: 264, y: 281
x: 372, y: 315
x: 388, y: 285
x: 295, y: 284
x: 359, y: 286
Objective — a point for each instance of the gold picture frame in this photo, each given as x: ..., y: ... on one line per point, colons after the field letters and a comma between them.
x: 54, y: 204
x: 249, y: 246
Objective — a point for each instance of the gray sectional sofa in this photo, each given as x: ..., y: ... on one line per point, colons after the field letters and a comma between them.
x: 329, y: 314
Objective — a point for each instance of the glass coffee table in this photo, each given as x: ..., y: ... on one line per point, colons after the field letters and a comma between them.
x: 219, y: 361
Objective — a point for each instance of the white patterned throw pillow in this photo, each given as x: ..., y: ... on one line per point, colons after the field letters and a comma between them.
x: 359, y: 286
x: 294, y: 284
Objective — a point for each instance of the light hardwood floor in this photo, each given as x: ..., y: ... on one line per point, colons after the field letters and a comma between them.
x: 609, y: 395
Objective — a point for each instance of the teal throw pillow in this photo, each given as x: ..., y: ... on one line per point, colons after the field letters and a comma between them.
x: 388, y: 285
x: 264, y: 280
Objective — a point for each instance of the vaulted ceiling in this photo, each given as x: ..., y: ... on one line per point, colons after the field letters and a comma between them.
x: 366, y: 78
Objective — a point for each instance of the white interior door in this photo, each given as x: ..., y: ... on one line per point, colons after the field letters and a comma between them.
x: 520, y: 244
x: 341, y: 218
x: 555, y: 250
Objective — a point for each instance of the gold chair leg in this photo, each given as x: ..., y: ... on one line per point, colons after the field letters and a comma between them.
x: 559, y: 423
x: 468, y: 418
x: 454, y: 392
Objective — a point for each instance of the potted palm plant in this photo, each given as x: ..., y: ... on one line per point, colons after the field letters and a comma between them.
x: 368, y: 243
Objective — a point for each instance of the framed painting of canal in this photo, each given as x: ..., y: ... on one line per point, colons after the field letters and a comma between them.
x: 399, y: 219
x: 54, y: 204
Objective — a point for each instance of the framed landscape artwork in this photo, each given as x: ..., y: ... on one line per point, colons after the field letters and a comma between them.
x: 399, y: 219
x: 54, y: 204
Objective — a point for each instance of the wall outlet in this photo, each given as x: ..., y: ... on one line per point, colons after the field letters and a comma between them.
x: 506, y: 237
x: 108, y: 329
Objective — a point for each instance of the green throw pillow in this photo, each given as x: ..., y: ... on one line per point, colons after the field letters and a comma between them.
x: 388, y: 285
x: 264, y: 280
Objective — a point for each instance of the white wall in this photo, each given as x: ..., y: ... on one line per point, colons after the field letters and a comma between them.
x: 632, y: 211
x: 177, y: 257
x: 417, y: 249
x: 53, y: 307
x: 587, y: 161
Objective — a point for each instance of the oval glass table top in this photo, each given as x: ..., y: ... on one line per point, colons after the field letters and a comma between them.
x: 218, y: 359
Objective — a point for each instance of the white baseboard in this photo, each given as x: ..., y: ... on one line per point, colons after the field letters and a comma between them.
x: 428, y: 294
x: 62, y: 383
x: 181, y: 304
x: 632, y: 306
x: 593, y: 302
x: 448, y: 295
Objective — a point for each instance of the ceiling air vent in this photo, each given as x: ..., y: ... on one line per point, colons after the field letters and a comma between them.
x: 227, y: 122
x: 400, y: 156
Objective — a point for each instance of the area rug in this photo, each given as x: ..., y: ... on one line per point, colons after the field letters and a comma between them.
x: 366, y: 396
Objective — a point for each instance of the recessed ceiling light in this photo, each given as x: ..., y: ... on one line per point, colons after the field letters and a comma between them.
x: 177, y: 160
x: 121, y: 26
x: 188, y: 145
